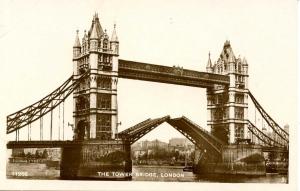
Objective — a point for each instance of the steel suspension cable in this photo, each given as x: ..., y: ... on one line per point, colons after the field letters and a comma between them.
x: 276, y: 128
x: 35, y: 111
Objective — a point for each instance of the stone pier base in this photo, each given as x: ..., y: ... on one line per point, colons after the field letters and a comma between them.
x: 96, y: 160
x: 242, y: 159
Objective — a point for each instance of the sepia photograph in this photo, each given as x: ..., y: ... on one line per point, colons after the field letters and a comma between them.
x: 148, y: 95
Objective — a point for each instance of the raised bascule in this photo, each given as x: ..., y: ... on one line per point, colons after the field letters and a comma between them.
x: 98, y: 146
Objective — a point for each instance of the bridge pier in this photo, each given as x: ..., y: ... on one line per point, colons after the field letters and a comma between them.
x: 242, y: 159
x: 108, y: 159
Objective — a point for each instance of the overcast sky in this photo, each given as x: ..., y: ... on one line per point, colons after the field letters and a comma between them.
x: 36, y: 40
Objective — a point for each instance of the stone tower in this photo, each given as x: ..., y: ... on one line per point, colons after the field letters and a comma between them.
x: 95, y: 109
x: 227, y: 106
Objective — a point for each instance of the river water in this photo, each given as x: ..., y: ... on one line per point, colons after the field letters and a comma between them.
x: 176, y: 174
x: 143, y: 173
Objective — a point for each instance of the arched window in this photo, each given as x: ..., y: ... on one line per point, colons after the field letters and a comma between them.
x: 104, y: 101
x: 82, y: 103
x: 99, y: 44
x: 239, y: 67
x: 105, y: 43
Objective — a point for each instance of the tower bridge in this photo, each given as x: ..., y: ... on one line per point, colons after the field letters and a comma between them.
x: 96, y: 69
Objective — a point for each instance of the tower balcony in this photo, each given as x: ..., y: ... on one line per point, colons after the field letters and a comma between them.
x: 104, y: 50
x: 105, y: 66
x: 88, y: 111
x: 83, y: 68
x: 240, y: 84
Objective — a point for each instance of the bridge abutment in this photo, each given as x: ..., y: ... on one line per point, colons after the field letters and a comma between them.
x: 108, y: 159
x: 241, y: 159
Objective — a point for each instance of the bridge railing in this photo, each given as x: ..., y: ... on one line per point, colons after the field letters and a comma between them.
x: 199, y: 136
x: 207, y: 133
x: 134, y: 127
x: 143, y: 130
x: 137, y: 131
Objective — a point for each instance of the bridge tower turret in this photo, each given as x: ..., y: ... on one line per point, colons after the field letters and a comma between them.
x: 244, y: 79
x: 93, y: 66
x: 95, y: 101
x: 114, y: 46
x: 209, y: 66
x: 76, y: 53
x: 95, y: 108
x: 114, y: 42
x: 228, y: 106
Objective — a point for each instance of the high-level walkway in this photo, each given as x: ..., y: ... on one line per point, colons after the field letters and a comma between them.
x: 171, y: 75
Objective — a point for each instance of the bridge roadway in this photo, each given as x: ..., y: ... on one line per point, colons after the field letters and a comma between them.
x: 40, y: 144
x: 275, y: 149
x: 171, y: 75
x: 199, y: 136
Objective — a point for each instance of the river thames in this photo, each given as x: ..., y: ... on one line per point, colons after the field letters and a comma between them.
x: 144, y: 173
x: 176, y: 174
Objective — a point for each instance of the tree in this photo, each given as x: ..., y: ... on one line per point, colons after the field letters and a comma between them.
x: 37, y: 154
x: 271, y: 156
x: 176, y: 155
x: 144, y: 156
x: 22, y: 154
x: 45, y: 154
x: 28, y: 155
x: 192, y: 156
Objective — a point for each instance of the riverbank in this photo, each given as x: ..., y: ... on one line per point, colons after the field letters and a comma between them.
x: 154, y: 166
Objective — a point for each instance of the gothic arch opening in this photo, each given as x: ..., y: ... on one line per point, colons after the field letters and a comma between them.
x: 82, y: 130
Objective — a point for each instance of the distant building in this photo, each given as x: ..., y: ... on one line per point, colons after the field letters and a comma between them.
x: 152, y: 144
x: 159, y: 144
x: 141, y: 148
x: 52, y: 153
x: 179, y: 142
x: 137, y: 152
x: 17, y: 152
x: 179, y: 148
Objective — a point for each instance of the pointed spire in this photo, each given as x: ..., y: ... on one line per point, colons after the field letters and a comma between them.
x: 96, y: 24
x: 94, y: 33
x: 209, y: 66
x: 244, y: 62
x: 227, y: 54
x: 85, y: 36
x: 77, y: 42
x: 105, y: 36
x: 227, y: 43
x: 231, y: 57
x: 239, y: 58
x: 209, y: 63
x: 114, y: 37
x: 215, y: 63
